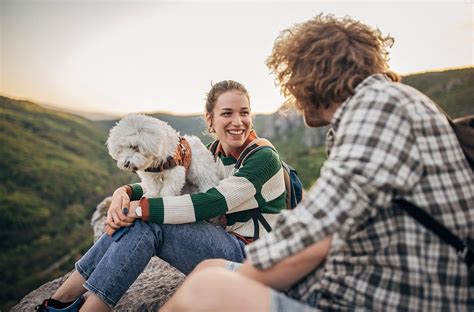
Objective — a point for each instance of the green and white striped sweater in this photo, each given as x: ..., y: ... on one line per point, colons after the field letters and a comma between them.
x: 259, y: 182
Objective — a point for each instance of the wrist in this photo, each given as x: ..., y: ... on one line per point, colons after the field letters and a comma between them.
x: 123, y: 190
x: 128, y: 190
x: 136, y: 191
x: 145, y: 209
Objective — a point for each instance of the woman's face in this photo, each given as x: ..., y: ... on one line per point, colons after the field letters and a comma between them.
x: 231, y: 119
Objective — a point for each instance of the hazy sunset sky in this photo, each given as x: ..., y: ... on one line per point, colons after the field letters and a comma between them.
x: 139, y: 56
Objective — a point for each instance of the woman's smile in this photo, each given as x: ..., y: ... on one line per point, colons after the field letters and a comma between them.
x: 236, y: 133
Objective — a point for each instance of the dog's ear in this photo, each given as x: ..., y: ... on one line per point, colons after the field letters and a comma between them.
x: 110, y: 144
x: 115, y: 139
x: 157, y: 139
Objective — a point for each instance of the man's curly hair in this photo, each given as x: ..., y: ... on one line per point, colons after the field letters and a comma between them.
x: 321, y: 61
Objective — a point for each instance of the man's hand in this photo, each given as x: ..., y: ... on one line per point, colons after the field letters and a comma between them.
x: 288, y: 271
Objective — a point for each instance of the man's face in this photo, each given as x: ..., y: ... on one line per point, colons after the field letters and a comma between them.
x: 316, y: 117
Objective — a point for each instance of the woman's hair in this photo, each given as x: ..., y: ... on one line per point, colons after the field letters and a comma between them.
x: 321, y: 61
x: 222, y: 87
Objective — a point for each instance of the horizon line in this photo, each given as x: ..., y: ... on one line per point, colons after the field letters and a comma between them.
x: 79, y: 111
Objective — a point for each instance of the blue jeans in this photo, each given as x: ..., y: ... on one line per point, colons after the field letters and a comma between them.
x: 110, y: 267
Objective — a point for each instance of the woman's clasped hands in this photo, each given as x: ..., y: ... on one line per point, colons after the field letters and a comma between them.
x: 121, y: 211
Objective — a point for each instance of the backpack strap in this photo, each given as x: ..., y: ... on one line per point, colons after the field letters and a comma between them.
x: 430, y: 223
x: 213, y: 147
x: 251, y: 148
x: 288, y: 185
x: 259, y: 144
x: 258, y: 217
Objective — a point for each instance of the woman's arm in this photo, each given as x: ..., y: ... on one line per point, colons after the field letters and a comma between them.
x: 260, y: 175
x: 289, y: 270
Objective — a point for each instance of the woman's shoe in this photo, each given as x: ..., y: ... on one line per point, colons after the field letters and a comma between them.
x: 47, y: 306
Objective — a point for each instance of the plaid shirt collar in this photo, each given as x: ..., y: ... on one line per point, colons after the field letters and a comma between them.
x: 364, y: 83
x: 336, y: 118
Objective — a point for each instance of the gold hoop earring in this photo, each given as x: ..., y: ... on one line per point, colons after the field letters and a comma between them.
x: 210, y: 129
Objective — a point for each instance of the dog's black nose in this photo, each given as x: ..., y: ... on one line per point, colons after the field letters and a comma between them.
x: 126, y: 164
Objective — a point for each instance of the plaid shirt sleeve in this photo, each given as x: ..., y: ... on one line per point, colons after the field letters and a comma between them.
x: 373, y: 156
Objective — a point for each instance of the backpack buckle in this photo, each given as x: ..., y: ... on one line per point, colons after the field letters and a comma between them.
x: 463, y: 253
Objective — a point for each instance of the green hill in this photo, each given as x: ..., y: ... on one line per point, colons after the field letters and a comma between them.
x: 54, y: 169
x: 452, y: 89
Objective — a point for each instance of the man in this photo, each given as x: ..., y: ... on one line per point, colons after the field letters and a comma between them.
x: 347, y: 246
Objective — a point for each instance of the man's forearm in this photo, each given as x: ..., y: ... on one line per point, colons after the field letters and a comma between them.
x: 288, y: 271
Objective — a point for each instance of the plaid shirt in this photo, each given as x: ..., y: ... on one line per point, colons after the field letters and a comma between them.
x: 387, y: 141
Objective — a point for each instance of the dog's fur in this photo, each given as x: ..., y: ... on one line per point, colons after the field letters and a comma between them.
x: 138, y: 142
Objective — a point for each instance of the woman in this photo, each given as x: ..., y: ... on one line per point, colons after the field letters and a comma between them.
x: 109, y: 268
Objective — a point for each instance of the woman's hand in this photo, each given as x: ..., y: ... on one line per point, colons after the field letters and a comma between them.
x: 116, y: 217
x: 131, y: 214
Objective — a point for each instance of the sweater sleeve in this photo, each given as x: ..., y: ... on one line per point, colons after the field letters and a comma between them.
x: 260, y: 179
x: 136, y: 191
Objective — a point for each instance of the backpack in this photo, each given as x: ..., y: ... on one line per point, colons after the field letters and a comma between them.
x: 464, y: 129
x: 293, y: 184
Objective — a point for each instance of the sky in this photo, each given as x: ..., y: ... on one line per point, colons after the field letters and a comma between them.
x: 121, y: 57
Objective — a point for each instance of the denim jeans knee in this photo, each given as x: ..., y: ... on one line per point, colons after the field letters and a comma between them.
x: 184, y: 246
x: 110, y: 267
x: 88, y: 262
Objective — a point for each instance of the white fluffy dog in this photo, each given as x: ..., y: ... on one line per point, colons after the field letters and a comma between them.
x: 167, y: 164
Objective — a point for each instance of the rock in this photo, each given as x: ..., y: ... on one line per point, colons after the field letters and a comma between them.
x: 35, y: 297
x: 99, y: 216
x: 150, y: 291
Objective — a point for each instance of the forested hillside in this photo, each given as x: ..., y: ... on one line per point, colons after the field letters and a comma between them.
x: 54, y: 169
x: 452, y: 89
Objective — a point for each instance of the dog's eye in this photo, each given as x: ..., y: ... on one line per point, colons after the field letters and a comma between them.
x: 135, y: 148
